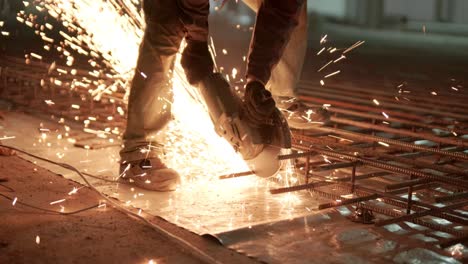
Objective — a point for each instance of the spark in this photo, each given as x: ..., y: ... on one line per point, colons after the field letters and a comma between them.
x: 120, y: 111
x: 340, y: 58
x: 454, y: 88
x: 322, y: 82
x: 332, y: 74
x: 355, y: 45
x: 47, y: 39
x: 234, y: 73
x: 58, y: 201
x: 62, y: 71
x: 191, y: 143
x: 347, y: 196
x: 14, y: 201
x: 457, y: 250
x: 384, y: 144
x: 5, y: 33
x: 38, y: 239
x: 7, y: 137
x: 323, y: 39
x: 340, y: 138
x: 73, y: 191
x: 376, y: 101
x: 385, y: 114
x: 37, y: 56
x: 320, y: 52
x: 58, y: 82
x: 324, y: 66
x: 125, y: 170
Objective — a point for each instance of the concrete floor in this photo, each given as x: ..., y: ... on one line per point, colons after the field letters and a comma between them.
x: 240, y: 212
x: 98, y: 235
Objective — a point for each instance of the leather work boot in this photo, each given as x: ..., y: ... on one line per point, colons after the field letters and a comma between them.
x: 150, y: 174
x: 301, y: 116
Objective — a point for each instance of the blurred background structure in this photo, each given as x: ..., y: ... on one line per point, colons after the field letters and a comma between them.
x: 404, y: 40
x: 397, y: 144
x: 424, y: 27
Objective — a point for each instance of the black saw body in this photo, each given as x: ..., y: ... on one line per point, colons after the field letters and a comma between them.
x: 259, y: 144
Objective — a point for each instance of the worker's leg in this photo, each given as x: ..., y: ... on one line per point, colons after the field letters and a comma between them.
x: 149, y: 107
x: 283, y: 60
x: 286, y: 73
x: 195, y: 18
x: 196, y: 58
x: 149, y: 110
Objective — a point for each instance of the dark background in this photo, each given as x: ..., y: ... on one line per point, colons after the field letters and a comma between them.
x: 413, y: 37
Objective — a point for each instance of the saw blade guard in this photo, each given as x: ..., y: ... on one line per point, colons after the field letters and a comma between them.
x: 258, y: 145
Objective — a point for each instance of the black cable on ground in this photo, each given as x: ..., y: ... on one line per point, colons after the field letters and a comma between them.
x: 49, y: 210
x: 100, y: 178
x: 179, y: 240
x: 7, y: 187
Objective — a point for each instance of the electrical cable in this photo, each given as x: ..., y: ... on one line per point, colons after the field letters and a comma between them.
x: 49, y: 210
x: 7, y: 187
x: 100, y: 178
x: 179, y: 240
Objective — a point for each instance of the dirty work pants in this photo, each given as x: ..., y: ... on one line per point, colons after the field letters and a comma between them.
x: 168, y: 22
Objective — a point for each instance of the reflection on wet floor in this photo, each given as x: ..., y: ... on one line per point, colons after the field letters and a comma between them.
x: 240, y: 212
x: 202, y: 205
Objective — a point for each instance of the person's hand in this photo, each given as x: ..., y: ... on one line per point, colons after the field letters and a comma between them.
x: 196, y: 61
x: 258, y: 103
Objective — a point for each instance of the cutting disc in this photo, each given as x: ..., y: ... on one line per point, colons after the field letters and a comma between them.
x: 266, y: 164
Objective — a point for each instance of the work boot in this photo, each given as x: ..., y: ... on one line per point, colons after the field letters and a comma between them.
x: 150, y: 174
x: 301, y: 116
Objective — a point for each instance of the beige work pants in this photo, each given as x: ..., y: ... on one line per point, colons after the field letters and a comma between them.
x: 167, y: 23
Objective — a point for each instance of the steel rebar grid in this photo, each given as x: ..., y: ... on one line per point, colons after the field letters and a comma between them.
x: 377, y: 164
x: 413, y: 116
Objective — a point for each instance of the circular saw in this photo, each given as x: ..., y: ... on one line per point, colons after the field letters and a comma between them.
x: 259, y: 144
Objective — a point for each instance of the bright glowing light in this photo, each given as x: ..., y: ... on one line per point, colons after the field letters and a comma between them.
x: 191, y: 145
x: 58, y: 201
